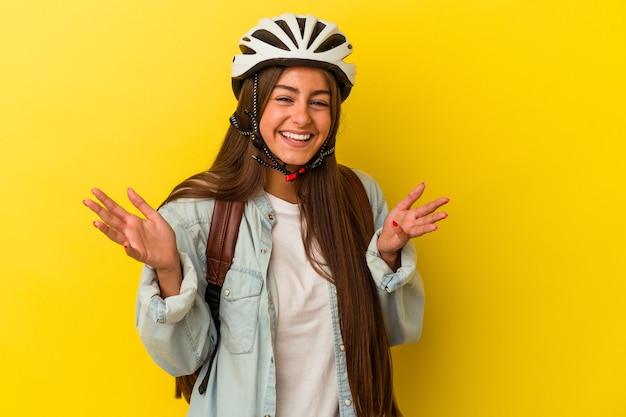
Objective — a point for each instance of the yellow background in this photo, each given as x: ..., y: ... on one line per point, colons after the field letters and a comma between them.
x: 513, y: 109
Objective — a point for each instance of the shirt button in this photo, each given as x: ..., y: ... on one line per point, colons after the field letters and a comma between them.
x: 348, y: 402
x: 226, y: 293
x: 270, y: 216
x: 342, y: 348
x: 263, y: 251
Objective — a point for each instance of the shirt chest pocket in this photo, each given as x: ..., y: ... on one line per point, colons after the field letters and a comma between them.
x: 239, y: 310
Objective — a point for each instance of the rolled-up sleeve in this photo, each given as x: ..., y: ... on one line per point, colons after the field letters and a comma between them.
x: 177, y: 332
x: 172, y: 309
x: 401, y: 292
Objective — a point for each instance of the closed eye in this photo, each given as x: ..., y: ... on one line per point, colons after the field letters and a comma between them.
x: 319, y: 103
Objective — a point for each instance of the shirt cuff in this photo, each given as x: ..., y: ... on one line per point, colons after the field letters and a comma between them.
x: 385, y: 278
x: 173, y: 308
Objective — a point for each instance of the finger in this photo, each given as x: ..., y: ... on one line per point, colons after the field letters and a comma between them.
x: 429, y: 208
x: 399, y: 231
x: 104, y: 214
x: 110, y: 204
x: 111, y: 233
x: 92, y: 205
x: 132, y: 252
x: 418, y: 231
x: 412, y: 197
x: 431, y: 218
x: 140, y: 203
x: 419, y: 226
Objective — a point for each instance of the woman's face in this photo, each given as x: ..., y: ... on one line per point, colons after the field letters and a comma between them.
x: 297, y: 118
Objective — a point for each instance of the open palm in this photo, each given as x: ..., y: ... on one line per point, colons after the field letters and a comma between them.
x: 150, y: 240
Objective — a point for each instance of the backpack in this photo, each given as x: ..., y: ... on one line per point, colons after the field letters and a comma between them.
x: 220, y: 249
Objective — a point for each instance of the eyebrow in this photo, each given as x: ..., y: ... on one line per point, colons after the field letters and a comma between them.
x: 296, y: 91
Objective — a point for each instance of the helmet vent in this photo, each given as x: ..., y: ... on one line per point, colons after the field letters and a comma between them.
x: 246, y: 50
x: 332, y: 42
x: 301, y: 23
x: 285, y: 27
x: 319, y: 27
x: 268, y: 37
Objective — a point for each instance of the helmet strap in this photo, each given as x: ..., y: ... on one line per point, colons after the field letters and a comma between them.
x: 254, y: 134
x: 315, y: 162
x: 257, y: 140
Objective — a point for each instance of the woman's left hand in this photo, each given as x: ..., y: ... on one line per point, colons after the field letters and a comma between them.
x: 404, y: 223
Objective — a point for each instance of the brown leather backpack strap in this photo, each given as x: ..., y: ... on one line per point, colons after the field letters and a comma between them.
x: 364, y: 203
x: 222, y: 239
x: 220, y: 250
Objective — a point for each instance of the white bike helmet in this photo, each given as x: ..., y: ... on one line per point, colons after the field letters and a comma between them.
x: 293, y: 40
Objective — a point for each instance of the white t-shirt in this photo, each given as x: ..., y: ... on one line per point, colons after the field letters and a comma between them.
x: 306, y: 379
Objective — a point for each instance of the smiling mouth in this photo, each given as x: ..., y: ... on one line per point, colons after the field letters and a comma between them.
x: 296, y: 136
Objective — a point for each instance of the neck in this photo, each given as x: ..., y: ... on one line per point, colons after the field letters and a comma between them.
x: 279, y: 187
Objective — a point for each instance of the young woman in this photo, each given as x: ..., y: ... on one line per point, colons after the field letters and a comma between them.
x: 311, y: 304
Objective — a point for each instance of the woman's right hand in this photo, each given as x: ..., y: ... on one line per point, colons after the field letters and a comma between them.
x: 149, y: 240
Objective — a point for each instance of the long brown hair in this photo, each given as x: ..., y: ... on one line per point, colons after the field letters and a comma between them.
x: 332, y: 226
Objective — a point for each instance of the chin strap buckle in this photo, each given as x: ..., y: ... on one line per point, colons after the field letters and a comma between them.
x: 292, y: 176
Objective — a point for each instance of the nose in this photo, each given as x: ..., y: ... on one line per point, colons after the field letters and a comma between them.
x: 301, y: 114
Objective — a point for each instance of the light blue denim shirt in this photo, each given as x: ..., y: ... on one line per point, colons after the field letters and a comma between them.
x: 179, y: 333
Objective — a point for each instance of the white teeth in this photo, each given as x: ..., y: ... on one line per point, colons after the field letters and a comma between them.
x: 295, y: 136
